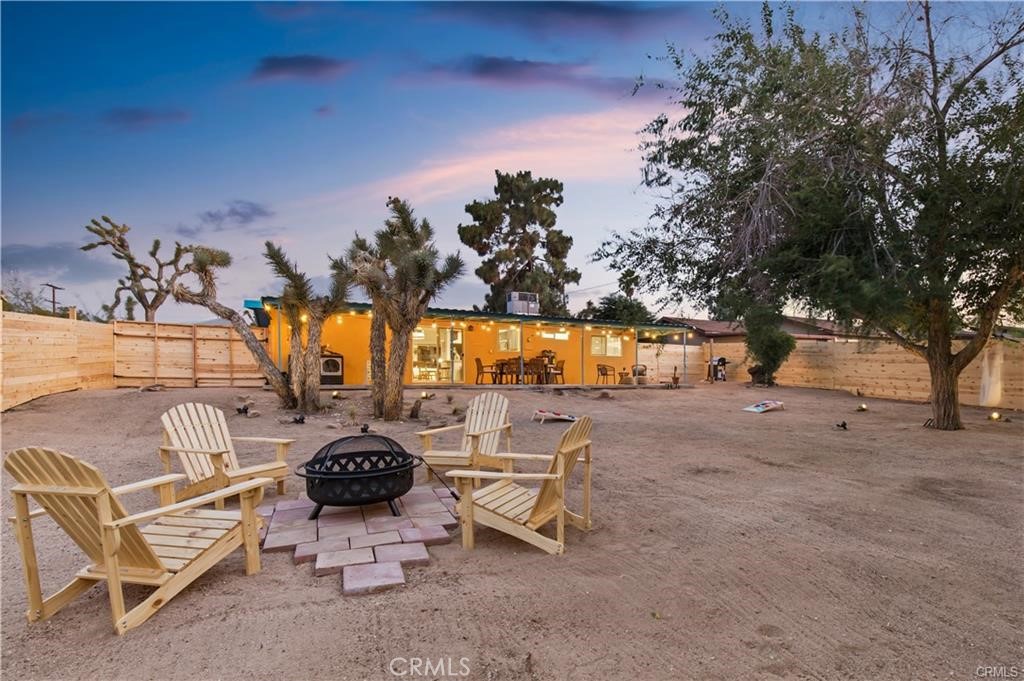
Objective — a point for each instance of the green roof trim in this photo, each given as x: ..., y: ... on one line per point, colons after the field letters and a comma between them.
x: 450, y: 313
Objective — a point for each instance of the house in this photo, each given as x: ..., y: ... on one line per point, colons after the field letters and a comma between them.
x: 466, y: 347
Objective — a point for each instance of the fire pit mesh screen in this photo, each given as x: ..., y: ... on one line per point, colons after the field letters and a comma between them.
x: 357, y: 470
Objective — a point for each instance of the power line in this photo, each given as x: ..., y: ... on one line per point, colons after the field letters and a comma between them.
x: 53, y: 295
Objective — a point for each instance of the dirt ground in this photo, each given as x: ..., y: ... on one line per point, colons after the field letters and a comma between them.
x: 726, y: 545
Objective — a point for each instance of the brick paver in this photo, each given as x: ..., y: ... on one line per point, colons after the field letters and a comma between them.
x: 375, y: 539
x: 332, y: 562
x: 364, y: 579
x: 429, y: 536
x: 405, y: 554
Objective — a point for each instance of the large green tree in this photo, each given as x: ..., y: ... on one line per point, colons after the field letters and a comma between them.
x: 872, y: 175
x: 522, y: 249
x: 617, y: 307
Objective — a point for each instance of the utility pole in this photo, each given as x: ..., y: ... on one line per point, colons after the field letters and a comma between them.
x: 53, y: 295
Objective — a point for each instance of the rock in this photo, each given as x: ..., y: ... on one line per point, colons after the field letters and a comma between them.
x: 156, y: 387
x: 604, y: 395
x: 251, y: 414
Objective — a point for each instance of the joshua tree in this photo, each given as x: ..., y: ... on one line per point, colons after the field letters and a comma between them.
x: 369, y: 269
x: 300, y: 300
x: 204, y: 265
x: 148, y: 284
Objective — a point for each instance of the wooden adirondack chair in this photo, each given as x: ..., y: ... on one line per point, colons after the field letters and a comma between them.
x: 486, y: 419
x: 178, y: 546
x: 198, y: 434
x: 519, y: 511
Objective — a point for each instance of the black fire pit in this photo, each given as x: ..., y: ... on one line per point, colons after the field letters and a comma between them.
x: 358, y: 470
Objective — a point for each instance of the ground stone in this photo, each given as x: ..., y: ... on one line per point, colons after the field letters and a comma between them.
x: 364, y: 579
x: 428, y: 536
x: 332, y: 562
x: 386, y: 524
x: 406, y: 554
x: 288, y: 539
x: 376, y: 539
x: 305, y: 553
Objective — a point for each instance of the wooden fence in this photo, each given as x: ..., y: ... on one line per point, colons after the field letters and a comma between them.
x: 882, y: 369
x: 183, y: 356
x: 44, y: 355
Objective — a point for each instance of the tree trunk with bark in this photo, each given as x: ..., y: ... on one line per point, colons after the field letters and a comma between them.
x: 259, y: 352
x: 396, y: 374
x: 150, y: 314
x: 309, y: 397
x: 296, y: 367
x: 945, y: 391
x: 378, y: 362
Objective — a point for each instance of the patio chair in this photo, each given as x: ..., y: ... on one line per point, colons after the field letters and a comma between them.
x: 485, y: 370
x: 179, y: 544
x: 604, y: 371
x: 486, y: 420
x: 198, y: 434
x: 520, y: 511
x: 556, y: 374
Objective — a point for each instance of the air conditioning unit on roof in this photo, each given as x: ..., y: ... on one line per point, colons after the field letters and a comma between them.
x: 521, y: 302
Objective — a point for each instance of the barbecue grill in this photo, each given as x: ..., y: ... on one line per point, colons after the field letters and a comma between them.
x: 358, y: 470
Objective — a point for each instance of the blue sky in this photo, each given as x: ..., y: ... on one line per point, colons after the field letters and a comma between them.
x: 231, y: 123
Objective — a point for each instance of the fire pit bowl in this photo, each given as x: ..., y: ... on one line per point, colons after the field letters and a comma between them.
x: 358, y: 470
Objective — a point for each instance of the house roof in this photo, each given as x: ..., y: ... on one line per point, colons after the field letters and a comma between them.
x: 712, y: 328
x: 448, y: 313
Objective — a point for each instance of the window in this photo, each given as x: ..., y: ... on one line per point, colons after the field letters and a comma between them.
x: 508, y: 340
x: 606, y: 346
x: 555, y: 335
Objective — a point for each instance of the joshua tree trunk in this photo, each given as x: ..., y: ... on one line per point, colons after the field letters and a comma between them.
x: 273, y: 375
x: 309, y: 397
x: 378, y: 362
x: 396, y: 374
x: 296, y: 367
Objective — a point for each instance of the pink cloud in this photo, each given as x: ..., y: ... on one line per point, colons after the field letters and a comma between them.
x: 593, y: 146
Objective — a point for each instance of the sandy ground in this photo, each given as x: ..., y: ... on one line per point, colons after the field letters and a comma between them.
x: 726, y: 545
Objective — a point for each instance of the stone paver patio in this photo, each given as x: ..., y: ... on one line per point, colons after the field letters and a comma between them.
x: 365, y: 544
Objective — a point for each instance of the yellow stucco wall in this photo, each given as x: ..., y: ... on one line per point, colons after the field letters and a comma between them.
x: 348, y: 334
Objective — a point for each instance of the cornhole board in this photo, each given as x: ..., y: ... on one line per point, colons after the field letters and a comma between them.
x: 767, y: 405
x: 543, y: 415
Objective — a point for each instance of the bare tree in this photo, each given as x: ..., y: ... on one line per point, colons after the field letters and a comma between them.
x: 204, y: 265
x: 149, y: 284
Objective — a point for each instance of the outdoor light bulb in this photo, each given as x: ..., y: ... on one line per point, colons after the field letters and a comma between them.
x: 369, y: 313
x: 561, y: 328
x: 434, y: 325
x: 625, y: 338
x: 338, y: 319
x: 266, y: 307
x: 994, y: 416
x: 588, y: 327
x: 351, y: 312
x: 304, y: 318
x: 689, y: 334
x: 675, y: 337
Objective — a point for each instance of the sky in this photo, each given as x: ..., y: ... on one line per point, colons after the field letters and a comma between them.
x: 228, y: 124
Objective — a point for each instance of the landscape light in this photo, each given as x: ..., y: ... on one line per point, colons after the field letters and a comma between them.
x: 862, y: 407
x: 304, y: 318
x: 994, y: 416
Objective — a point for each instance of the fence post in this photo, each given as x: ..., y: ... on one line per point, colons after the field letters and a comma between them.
x: 156, y: 352
x: 195, y: 362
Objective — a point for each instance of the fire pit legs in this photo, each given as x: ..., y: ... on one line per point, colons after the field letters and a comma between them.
x: 394, y: 508
x: 391, y: 504
x: 316, y: 512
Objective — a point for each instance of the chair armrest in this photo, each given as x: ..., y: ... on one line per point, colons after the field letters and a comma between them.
x: 522, y: 457
x: 146, y: 484
x: 579, y: 446
x: 268, y: 440
x: 192, y: 450
x: 488, y: 431
x: 487, y: 475
x: 442, y: 429
x: 195, y: 502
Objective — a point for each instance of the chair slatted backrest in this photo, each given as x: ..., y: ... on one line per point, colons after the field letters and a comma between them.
x: 485, y: 411
x: 77, y: 514
x: 573, y: 440
x: 201, y: 426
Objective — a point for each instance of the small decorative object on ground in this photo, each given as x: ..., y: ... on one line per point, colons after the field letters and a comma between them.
x: 543, y: 415
x: 767, y: 405
x: 994, y: 416
x: 336, y: 395
x: 862, y: 407
x: 414, y: 413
